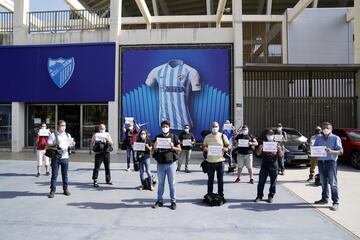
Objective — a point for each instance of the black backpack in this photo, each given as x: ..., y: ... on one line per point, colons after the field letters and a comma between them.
x: 146, y: 183
x: 213, y: 199
x: 317, y: 180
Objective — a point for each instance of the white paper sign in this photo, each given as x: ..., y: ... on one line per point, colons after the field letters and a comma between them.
x: 163, y: 143
x: 270, y: 146
x: 186, y: 142
x: 243, y: 143
x: 129, y: 120
x: 318, y: 151
x: 215, y: 151
x: 139, y: 146
x: 44, y: 132
x: 101, y: 137
x: 279, y: 138
x: 37, y: 120
x: 66, y: 142
x: 228, y: 126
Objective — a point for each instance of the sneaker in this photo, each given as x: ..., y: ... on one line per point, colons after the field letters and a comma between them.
x: 257, y: 199
x: 151, y: 188
x: 173, y: 206
x: 321, y: 201
x: 237, y: 180
x: 270, y: 200
x: 310, y: 179
x: 157, y: 204
x: 281, y: 173
x: 96, y: 184
x: 251, y: 181
x: 51, y: 194
x: 37, y: 175
x: 187, y: 170
x: 178, y: 169
x: 334, y: 207
x: 67, y: 193
x: 47, y: 173
x: 128, y: 169
x: 109, y: 183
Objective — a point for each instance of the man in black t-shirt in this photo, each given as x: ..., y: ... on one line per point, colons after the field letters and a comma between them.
x: 245, y: 143
x: 187, y: 141
x: 166, y: 150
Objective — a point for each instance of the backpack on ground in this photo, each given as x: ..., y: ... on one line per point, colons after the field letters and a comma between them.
x: 213, y: 199
x: 146, y: 183
x: 317, y: 180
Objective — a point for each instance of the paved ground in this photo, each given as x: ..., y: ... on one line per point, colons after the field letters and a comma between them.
x: 122, y: 211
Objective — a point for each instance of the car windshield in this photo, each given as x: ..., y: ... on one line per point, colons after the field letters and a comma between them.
x: 355, y: 136
x: 292, y: 134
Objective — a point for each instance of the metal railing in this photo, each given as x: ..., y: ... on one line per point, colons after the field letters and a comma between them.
x: 6, y: 22
x: 69, y: 20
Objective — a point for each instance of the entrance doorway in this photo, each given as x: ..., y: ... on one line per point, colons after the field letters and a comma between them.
x: 71, y: 114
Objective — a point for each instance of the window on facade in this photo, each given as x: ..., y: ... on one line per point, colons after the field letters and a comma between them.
x: 93, y: 115
x: 5, y: 125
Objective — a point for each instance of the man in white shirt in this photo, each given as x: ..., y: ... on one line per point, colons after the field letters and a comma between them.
x: 63, y: 141
x: 102, y: 155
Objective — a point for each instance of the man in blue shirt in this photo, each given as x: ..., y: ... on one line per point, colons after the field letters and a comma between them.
x: 327, y: 165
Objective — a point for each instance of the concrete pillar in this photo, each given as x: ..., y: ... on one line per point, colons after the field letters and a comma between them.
x: 357, y: 32
x: 18, y: 126
x: 114, y: 110
x: 284, y: 38
x: 21, y: 8
x: 238, y: 63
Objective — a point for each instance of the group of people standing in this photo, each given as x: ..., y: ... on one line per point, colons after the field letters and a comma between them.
x: 170, y: 151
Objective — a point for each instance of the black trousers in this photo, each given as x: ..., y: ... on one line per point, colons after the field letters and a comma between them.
x: 271, y: 170
x: 100, y: 158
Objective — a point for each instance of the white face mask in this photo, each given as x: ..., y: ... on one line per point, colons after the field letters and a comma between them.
x: 279, y: 129
x: 142, y: 136
x: 187, y: 130
x: 43, y: 127
x: 326, y: 131
x: 131, y: 127
x: 165, y: 130
x: 270, y: 138
x: 215, y: 129
x: 245, y: 132
x: 62, y: 129
x: 102, y: 130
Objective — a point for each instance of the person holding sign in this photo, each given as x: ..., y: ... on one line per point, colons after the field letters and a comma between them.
x: 313, y: 161
x: 229, y: 131
x: 130, y: 138
x: 166, y: 150
x: 215, y: 145
x: 41, y: 146
x: 63, y: 141
x: 281, y: 138
x: 143, y: 147
x: 187, y: 141
x: 245, y: 143
x: 102, y: 154
x: 327, y: 165
x: 269, y: 150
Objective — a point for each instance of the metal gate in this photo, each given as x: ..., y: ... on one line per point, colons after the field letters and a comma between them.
x: 301, y: 99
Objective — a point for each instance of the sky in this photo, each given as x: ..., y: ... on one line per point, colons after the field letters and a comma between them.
x: 46, y: 5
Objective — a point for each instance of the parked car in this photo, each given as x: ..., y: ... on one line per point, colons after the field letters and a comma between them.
x: 296, y: 148
x: 350, y: 139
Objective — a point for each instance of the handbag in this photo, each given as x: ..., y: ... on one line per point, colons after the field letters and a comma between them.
x: 205, y: 166
x: 55, y: 152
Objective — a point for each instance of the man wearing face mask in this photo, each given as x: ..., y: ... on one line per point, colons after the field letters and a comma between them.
x: 166, y: 157
x: 41, y: 146
x: 313, y: 161
x: 245, y: 153
x: 279, y: 131
x: 62, y: 140
x: 216, y: 163
x: 103, y: 156
x: 328, y: 165
x: 185, y: 149
x: 130, y: 138
x: 269, y: 167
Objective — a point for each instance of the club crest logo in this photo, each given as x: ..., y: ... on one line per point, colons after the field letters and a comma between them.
x: 61, y: 70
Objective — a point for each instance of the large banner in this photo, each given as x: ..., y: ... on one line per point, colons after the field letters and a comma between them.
x: 181, y: 85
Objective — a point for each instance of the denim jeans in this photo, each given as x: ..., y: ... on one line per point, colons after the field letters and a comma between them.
x: 129, y: 151
x: 55, y: 165
x: 267, y: 169
x: 99, y: 158
x: 169, y: 170
x: 281, y: 161
x: 219, y: 168
x: 145, y: 167
x: 327, y: 172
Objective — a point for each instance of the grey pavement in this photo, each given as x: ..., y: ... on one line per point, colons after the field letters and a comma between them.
x: 123, y: 212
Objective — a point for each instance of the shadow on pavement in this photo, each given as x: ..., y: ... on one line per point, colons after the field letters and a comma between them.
x: 261, y: 207
x: 15, y: 194
x: 88, y: 185
x: 16, y: 175
x: 104, y: 206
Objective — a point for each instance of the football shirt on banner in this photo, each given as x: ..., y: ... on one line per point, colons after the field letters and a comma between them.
x: 174, y: 79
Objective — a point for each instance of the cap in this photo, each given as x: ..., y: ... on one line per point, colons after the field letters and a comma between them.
x: 279, y: 125
x: 270, y: 132
x: 245, y: 126
x: 317, y: 128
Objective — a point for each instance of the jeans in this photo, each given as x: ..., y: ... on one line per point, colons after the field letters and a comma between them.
x: 129, y: 151
x: 99, y: 158
x: 219, y: 168
x: 327, y: 172
x: 280, y: 160
x: 55, y: 165
x: 267, y: 169
x: 185, y: 154
x: 169, y: 170
x: 145, y: 167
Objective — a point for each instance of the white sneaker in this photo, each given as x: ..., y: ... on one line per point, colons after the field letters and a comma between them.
x: 128, y: 169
